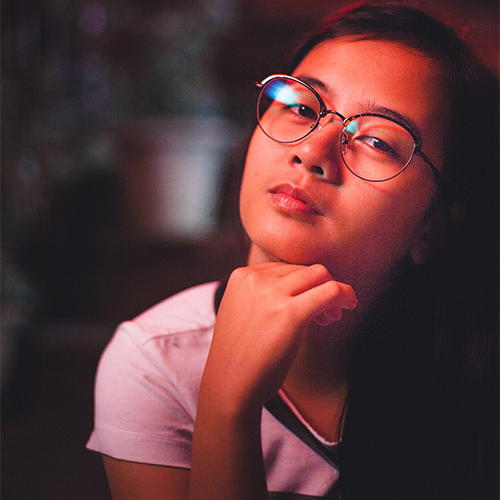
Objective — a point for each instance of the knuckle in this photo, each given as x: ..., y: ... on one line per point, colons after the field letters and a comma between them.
x: 238, y: 274
x: 332, y: 288
x: 252, y: 278
x: 320, y: 270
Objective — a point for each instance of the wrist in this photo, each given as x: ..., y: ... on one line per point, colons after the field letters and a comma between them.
x: 225, y: 409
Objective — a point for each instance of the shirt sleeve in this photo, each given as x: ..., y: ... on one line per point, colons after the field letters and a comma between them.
x: 141, y: 414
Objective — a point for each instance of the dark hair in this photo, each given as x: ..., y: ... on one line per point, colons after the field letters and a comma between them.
x: 422, y: 415
x: 473, y: 88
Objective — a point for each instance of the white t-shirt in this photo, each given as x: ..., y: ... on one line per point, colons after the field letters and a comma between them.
x: 146, y: 397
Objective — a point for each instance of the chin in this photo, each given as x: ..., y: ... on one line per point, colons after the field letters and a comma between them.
x: 292, y: 253
x: 280, y: 242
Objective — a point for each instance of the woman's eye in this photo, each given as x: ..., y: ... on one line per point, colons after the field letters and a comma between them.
x: 379, y: 145
x: 304, y: 111
x: 307, y: 112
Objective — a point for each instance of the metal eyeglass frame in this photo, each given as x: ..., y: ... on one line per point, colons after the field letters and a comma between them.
x: 345, y: 121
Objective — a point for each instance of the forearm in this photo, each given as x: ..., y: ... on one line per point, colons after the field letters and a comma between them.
x: 227, y: 461
x: 260, y: 326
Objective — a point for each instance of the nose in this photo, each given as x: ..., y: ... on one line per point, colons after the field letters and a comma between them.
x: 319, y: 152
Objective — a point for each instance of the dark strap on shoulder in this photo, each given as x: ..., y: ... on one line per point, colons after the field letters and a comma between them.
x: 285, y: 415
x: 219, y: 293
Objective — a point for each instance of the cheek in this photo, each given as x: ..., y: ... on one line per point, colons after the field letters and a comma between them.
x: 393, y: 221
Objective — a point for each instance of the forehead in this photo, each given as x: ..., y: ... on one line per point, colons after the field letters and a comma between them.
x: 358, y: 74
x: 366, y: 60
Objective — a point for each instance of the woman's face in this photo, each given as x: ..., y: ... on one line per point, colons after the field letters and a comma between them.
x: 299, y: 203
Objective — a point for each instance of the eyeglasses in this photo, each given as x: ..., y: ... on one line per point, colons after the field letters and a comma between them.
x: 374, y: 147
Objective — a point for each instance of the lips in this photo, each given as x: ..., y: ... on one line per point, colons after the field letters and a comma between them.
x: 293, y: 199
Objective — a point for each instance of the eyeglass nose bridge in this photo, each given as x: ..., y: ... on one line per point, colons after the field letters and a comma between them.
x: 323, y: 113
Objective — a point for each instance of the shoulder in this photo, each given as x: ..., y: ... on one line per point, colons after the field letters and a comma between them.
x: 189, y: 310
x: 166, y: 346
x: 148, y: 380
x: 166, y: 334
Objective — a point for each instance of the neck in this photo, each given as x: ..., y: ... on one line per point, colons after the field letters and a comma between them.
x: 317, y: 382
x: 321, y: 364
x: 257, y: 256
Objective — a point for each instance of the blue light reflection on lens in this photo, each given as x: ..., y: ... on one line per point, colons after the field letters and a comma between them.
x: 282, y: 92
x: 352, y: 127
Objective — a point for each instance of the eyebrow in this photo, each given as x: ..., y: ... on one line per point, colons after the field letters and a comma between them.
x: 368, y: 107
x: 317, y: 84
x: 373, y: 107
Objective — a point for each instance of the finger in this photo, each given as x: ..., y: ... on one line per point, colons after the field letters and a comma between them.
x: 276, y: 269
x: 261, y: 266
x: 332, y: 293
x: 322, y: 319
x: 302, y: 278
x: 328, y: 298
x: 334, y: 313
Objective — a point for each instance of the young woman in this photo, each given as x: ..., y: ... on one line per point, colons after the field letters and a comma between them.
x: 355, y: 356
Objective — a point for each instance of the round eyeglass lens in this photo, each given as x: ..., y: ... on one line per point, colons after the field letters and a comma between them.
x: 376, y: 148
x: 287, y: 110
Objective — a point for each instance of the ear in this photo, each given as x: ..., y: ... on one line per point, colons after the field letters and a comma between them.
x: 443, y: 220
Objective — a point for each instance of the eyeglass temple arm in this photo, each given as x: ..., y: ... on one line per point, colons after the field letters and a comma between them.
x: 427, y: 160
x: 443, y: 186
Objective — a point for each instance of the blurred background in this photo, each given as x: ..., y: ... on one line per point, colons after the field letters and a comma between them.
x: 119, y: 125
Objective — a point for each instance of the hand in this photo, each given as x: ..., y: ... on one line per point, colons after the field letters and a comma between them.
x: 261, y: 323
